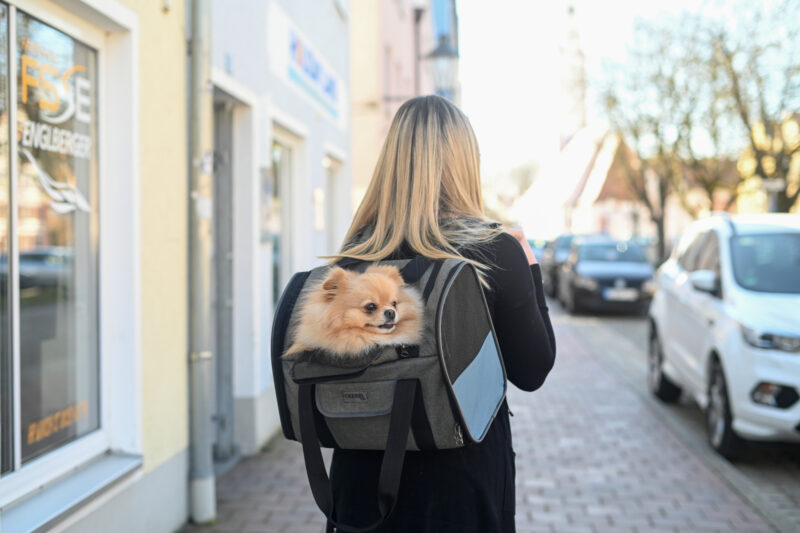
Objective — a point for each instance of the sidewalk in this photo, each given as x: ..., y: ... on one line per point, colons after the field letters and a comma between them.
x: 591, y: 457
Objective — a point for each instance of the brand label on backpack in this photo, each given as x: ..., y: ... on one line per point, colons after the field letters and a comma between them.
x: 354, y: 397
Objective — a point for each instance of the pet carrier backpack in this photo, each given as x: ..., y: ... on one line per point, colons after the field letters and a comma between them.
x: 440, y: 394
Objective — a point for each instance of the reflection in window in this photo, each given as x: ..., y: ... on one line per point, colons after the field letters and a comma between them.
x: 6, y: 382
x: 281, y: 161
x: 57, y: 236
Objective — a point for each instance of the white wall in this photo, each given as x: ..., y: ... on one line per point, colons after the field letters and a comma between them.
x: 248, y: 41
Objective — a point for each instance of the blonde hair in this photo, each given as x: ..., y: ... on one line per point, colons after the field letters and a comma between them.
x: 425, y: 190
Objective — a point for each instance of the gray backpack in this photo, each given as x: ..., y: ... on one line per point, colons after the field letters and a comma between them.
x: 438, y: 395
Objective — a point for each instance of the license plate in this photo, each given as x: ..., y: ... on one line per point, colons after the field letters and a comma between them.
x: 621, y: 295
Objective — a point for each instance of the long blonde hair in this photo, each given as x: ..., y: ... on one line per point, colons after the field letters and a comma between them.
x: 425, y: 191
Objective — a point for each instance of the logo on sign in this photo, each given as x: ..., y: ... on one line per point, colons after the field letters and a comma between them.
x: 61, y: 96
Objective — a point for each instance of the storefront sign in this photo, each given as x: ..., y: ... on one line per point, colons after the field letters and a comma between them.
x: 299, y: 64
x: 41, y: 429
x: 61, y: 95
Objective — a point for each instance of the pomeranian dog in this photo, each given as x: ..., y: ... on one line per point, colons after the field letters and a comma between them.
x: 349, y: 313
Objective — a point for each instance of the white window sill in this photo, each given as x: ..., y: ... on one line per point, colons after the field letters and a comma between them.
x: 55, y: 501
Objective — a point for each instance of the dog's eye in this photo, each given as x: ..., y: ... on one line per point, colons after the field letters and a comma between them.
x: 394, y: 304
x: 370, y: 307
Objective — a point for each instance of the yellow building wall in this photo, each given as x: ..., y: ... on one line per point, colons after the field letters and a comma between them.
x: 164, y: 245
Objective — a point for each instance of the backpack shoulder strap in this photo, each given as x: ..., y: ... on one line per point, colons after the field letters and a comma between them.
x: 393, y: 455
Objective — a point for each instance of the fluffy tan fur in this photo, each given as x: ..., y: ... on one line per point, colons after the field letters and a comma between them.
x: 349, y: 313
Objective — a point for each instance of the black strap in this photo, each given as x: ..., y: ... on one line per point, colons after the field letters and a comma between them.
x: 421, y: 426
x: 414, y: 269
x: 393, y: 455
x: 431, y: 281
x: 346, y: 262
x: 323, y: 431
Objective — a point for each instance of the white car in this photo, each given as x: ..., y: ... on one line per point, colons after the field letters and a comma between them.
x: 725, y: 327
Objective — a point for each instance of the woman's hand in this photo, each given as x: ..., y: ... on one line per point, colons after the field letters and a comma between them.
x: 526, y: 247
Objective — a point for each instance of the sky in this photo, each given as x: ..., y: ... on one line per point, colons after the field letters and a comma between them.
x: 509, y: 67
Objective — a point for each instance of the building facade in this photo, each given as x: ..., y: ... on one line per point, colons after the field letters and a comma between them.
x: 388, y: 39
x: 390, y: 42
x: 93, y: 181
x: 282, y: 159
x: 94, y: 240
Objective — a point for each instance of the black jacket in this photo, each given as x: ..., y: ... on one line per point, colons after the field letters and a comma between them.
x: 470, y: 489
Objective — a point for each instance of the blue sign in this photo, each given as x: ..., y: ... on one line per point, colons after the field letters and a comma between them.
x: 308, y: 71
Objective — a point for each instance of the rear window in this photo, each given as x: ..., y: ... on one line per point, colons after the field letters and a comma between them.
x: 612, y: 252
x: 767, y: 262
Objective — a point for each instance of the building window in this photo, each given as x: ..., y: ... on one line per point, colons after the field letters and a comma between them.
x: 281, y: 171
x: 333, y: 211
x: 51, y: 356
x: 6, y: 375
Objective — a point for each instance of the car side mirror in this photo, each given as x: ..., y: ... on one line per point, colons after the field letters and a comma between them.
x: 704, y: 281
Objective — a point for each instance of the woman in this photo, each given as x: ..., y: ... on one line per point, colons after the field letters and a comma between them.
x: 425, y: 198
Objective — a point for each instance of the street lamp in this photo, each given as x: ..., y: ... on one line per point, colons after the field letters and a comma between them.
x: 442, y: 61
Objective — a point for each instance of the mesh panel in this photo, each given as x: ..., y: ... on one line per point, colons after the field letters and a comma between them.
x: 464, y: 322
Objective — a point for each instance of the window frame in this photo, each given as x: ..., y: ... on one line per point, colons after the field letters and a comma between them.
x: 333, y: 180
x: 113, y: 34
x: 285, y: 133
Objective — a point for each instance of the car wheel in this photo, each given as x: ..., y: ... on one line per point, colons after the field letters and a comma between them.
x: 658, y: 383
x: 719, y: 418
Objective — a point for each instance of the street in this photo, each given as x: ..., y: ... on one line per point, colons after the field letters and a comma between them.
x: 594, y: 453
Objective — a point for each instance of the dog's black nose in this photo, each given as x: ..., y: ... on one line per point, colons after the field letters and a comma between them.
x: 389, y: 314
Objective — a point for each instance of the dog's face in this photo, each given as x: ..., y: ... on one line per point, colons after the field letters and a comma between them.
x: 371, y: 301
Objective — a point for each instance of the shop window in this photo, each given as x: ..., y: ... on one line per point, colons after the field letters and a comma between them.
x: 6, y: 371
x: 54, y: 398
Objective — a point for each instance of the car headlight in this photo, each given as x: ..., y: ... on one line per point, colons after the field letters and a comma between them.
x: 649, y: 287
x: 583, y: 282
x: 770, y: 341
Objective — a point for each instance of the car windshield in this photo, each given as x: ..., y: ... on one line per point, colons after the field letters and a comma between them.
x: 767, y: 262
x: 612, y: 252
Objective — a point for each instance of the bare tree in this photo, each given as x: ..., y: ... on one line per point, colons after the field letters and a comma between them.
x: 708, y: 150
x: 645, y: 107
x: 759, y: 63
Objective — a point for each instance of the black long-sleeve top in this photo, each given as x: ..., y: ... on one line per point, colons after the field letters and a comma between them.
x: 470, y: 489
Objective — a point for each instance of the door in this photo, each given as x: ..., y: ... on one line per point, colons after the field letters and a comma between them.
x: 702, y: 310
x: 679, y: 317
x: 224, y: 447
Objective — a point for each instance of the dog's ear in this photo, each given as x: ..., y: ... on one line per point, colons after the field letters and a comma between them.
x: 386, y: 270
x: 336, y: 280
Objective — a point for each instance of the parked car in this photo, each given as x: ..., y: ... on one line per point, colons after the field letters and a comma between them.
x: 538, y: 246
x: 604, y: 274
x: 554, y: 255
x: 42, y: 267
x: 725, y: 327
